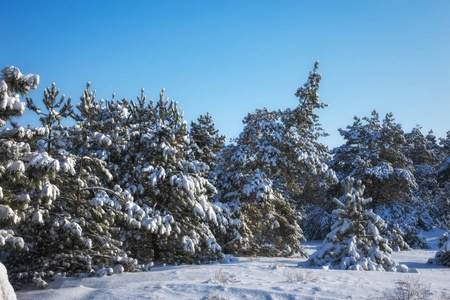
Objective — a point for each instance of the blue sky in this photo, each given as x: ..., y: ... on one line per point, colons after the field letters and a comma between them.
x: 230, y: 57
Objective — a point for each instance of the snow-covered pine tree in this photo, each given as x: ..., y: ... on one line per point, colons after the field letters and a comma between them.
x: 13, y: 199
x: 311, y: 175
x: 37, y: 192
x: 70, y: 225
x: 97, y: 206
x: 396, y: 239
x: 262, y: 222
x: 443, y: 173
x: 13, y: 84
x: 112, y: 119
x: 442, y: 257
x: 421, y: 149
x: 442, y: 194
x: 55, y: 111
x: 431, y: 196
x: 443, y: 208
x: 22, y: 192
x: 410, y: 218
x: 373, y: 153
x: 276, y: 159
x: 156, y: 169
x: 134, y: 121
x: 425, y: 155
x: 207, y: 143
x: 355, y: 242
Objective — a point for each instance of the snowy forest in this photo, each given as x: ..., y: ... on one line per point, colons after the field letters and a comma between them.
x: 110, y: 186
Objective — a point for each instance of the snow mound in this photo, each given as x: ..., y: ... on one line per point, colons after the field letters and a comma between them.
x: 6, y: 290
x: 228, y: 259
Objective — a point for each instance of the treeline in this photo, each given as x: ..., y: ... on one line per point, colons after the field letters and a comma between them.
x: 130, y: 184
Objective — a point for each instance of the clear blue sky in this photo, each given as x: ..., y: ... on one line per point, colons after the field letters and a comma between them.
x: 230, y: 57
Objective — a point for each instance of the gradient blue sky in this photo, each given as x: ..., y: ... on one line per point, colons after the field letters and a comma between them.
x: 230, y: 57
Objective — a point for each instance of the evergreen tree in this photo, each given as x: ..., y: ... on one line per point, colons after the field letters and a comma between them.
x: 421, y: 149
x: 377, y: 153
x: 396, y: 239
x: 13, y: 150
x: 69, y: 220
x: 262, y: 222
x: 432, y: 194
x: 410, y: 218
x: 424, y: 153
x: 442, y: 257
x: 207, y: 142
x: 13, y: 84
x: 354, y: 242
x: 276, y: 159
x: 443, y: 208
x: 157, y: 170
x: 373, y: 153
x: 442, y: 195
x: 443, y: 173
x: 51, y: 119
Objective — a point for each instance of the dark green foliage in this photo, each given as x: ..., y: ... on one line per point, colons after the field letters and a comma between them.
x: 317, y: 222
x: 409, y: 218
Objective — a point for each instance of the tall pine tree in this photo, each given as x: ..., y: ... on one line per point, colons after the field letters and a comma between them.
x: 156, y: 168
x: 276, y: 163
x: 14, y: 203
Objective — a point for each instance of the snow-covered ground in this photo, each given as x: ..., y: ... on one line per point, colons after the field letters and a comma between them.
x: 253, y: 278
